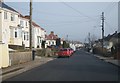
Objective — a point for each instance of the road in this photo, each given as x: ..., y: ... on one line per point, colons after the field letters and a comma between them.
x: 81, y: 66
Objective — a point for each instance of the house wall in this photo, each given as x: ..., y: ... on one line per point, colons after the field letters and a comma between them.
x: 0, y: 25
x: 4, y: 55
x: 9, y: 27
x: 37, y: 37
x: 50, y: 42
x: 25, y: 31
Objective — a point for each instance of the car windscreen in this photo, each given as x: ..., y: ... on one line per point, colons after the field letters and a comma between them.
x: 63, y: 49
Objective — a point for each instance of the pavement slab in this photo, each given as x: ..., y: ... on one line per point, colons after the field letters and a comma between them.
x: 23, y: 67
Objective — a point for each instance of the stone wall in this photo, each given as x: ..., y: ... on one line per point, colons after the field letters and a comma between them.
x: 20, y: 57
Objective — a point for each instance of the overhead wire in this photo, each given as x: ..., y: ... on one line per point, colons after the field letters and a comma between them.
x: 110, y: 27
x: 80, y: 13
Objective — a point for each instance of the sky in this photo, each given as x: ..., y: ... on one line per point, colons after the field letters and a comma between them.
x: 75, y: 19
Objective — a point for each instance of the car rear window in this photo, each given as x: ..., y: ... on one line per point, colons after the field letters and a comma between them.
x: 63, y: 50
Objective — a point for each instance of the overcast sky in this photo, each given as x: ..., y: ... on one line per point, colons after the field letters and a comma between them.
x: 75, y: 19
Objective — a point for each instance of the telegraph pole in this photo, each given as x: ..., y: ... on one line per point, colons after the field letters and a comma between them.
x: 103, y: 18
x: 67, y: 38
x: 30, y: 22
x: 89, y: 39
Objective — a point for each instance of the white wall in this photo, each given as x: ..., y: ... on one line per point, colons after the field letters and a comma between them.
x: 25, y: 31
x: 50, y: 42
x: 0, y: 26
x: 7, y: 24
x: 4, y: 55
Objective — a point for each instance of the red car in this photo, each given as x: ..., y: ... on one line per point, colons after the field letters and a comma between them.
x: 71, y: 51
x: 64, y: 52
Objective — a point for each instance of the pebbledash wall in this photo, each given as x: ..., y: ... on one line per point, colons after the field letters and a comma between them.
x: 20, y: 57
x: 4, y: 55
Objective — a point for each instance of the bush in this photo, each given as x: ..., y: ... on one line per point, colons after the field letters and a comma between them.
x: 99, y: 50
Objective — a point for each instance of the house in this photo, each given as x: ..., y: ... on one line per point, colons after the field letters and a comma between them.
x: 14, y: 31
x: 38, y: 35
x: 9, y: 32
x: 51, y: 39
x: 24, y: 24
x: 10, y: 28
x: 43, y: 33
x: 110, y: 40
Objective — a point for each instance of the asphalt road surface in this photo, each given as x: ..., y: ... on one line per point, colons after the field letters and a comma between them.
x: 81, y: 66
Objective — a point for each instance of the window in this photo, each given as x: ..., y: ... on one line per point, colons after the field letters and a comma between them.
x: 49, y: 43
x: 26, y: 23
x: 21, y: 23
x: 38, y: 39
x: 24, y: 36
x: 5, y: 15
x: 15, y: 34
x: 53, y: 43
x: 12, y: 17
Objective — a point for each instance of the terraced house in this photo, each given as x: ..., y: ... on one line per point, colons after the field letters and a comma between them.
x: 24, y: 24
x: 14, y: 31
x: 38, y: 35
x: 9, y: 28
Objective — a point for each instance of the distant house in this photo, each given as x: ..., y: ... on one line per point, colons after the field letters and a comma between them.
x: 51, y: 39
x: 110, y: 40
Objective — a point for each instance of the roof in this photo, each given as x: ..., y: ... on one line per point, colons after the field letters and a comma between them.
x: 51, y: 36
x: 34, y: 24
x: 27, y: 17
x: 3, y: 5
x: 114, y: 35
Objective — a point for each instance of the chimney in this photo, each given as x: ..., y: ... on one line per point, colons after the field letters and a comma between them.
x: 52, y: 32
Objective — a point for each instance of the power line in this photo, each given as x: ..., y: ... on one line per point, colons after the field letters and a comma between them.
x: 109, y: 7
x: 48, y: 13
x: 67, y: 23
x: 77, y: 11
x: 110, y: 27
x: 56, y: 14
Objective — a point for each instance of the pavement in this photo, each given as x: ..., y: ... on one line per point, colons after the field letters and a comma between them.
x: 110, y: 60
x: 14, y: 70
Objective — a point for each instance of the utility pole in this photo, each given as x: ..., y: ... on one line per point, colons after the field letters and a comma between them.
x: 30, y: 22
x: 89, y: 40
x: 67, y: 38
x: 103, y: 18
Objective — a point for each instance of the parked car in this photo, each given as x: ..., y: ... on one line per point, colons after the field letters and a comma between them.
x: 71, y: 50
x: 64, y: 52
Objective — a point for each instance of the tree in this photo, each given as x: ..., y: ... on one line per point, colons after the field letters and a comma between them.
x: 58, y: 42
x: 65, y: 44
